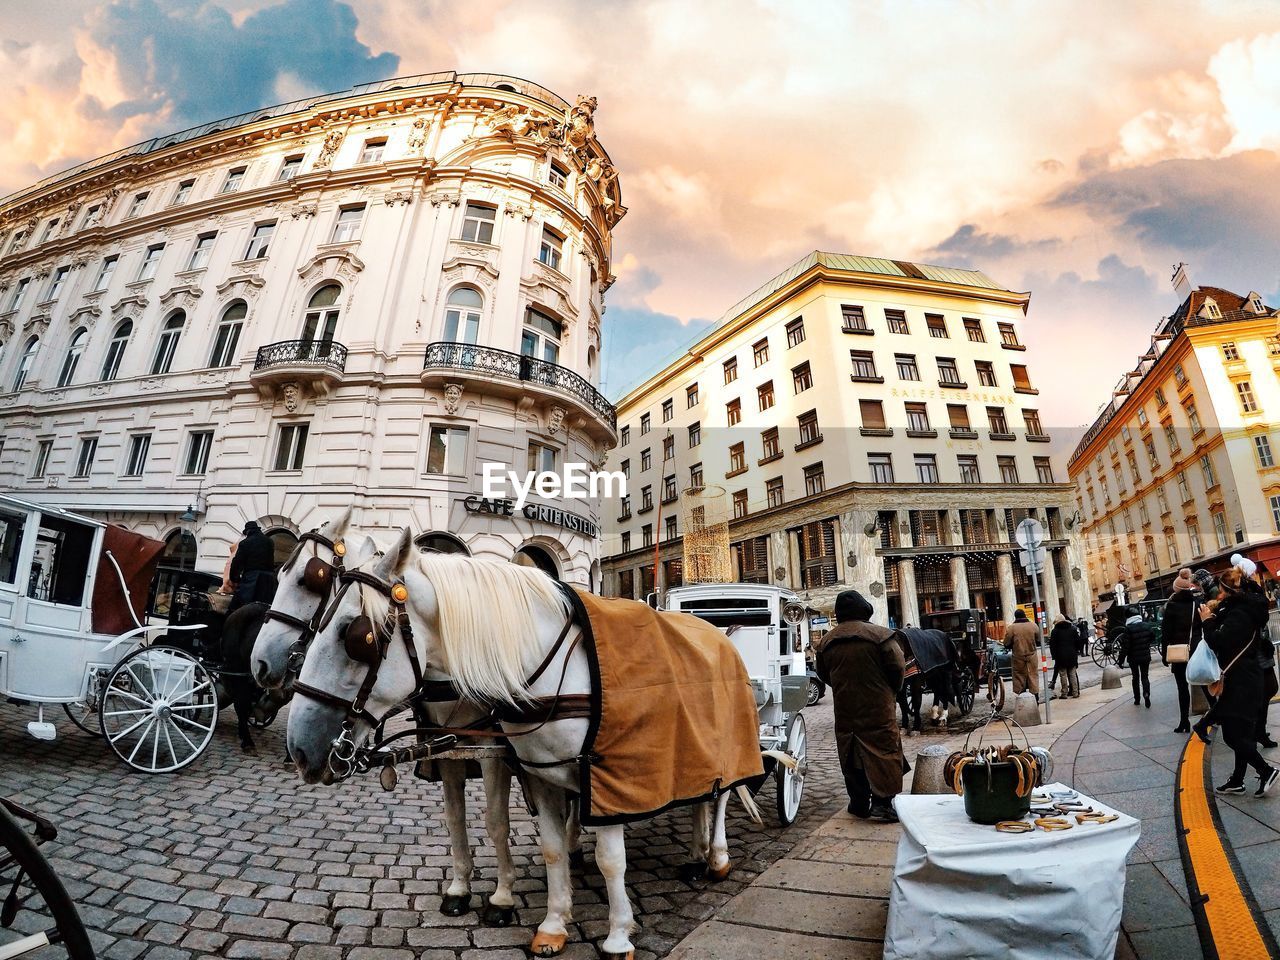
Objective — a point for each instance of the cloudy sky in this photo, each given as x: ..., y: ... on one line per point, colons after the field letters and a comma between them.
x: 1074, y: 148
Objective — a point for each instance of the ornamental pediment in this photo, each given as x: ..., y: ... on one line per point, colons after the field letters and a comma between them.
x: 126, y: 304
x: 332, y: 260
x: 6, y: 329
x: 85, y: 316
x: 244, y: 285
x: 37, y: 325
x: 182, y: 297
x: 550, y: 296
x: 482, y: 256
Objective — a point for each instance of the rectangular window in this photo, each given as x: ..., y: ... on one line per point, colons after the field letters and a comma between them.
x: 926, y: 468
x: 986, y: 373
x: 1220, y: 529
x: 90, y: 216
x: 881, y: 465
x: 542, y: 458
x: 372, y: 150
x: 199, y: 443
x: 182, y: 192
x: 668, y: 410
x: 695, y: 476
x: 104, y: 273
x: 751, y: 560
x: 43, y: 449
x: 948, y: 373
x: 151, y: 261
x: 864, y: 365
x: 917, y: 418
x: 1229, y: 351
x: 958, y: 414
x: 625, y: 591
x: 1275, y: 512
x: 646, y: 498
x: 1032, y: 420
x: 907, y: 369
x: 447, y: 450
x: 1193, y: 534
x: 84, y: 459
x: 773, y: 492
x: 137, y: 206
x: 626, y: 469
x: 1008, y: 336
x: 973, y: 329
x: 1143, y: 513
x: 1021, y: 381
x: 136, y: 462
x: 1206, y: 469
x: 1193, y: 419
x: 691, y: 396
x: 1044, y: 469
x: 49, y: 229
x: 1161, y: 402
x: 872, y: 414
x: 260, y: 241
x: 625, y: 436
x: 646, y: 459
x: 817, y: 543
x: 801, y: 377
x: 764, y: 394
x: 739, y: 504
x: 760, y: 351
x: 937, y: 325
x: 478, y: 223
x: 996, y: 420
x: 290, y: 168
x: 795, y: 332
x: 19, y: 238
x: 1142, y: 417
x: 1008, y: 469
x: 695, y: 434
x: 1262, y: 447
x: 668, y: 489
x: 737, y: 458
x: 1171, y: 544
x: 1184, y: 488
x: 852, y: 318
x: 731, y: 370
x: 897, y: 321
x: 1171, y: 437
x: 234, y: 178
x: 557, y: 175
x: 814, y: 479
x: 770, y: 446
x: 291, y: 446
x: 668, y: 449
x: 646, y: 535
x: 645, y: 423
x: 201, y: 252
x: 809, y: 431
x: 1163, y: 499
x: 968, y: 464
x: 57, y: 283
x: 671, y: 531
x: 1244, y: 389
x: 551, y: 248
x: 347, y: 227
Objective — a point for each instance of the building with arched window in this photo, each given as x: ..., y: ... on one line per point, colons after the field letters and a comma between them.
x: 359, y: 298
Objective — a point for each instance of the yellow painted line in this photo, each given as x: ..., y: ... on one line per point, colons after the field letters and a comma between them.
x: 1231, y: 922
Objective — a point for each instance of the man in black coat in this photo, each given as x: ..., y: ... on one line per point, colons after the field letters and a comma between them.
x: 1063, y: 640
x: 1135, y: 649
x: 253, y: 568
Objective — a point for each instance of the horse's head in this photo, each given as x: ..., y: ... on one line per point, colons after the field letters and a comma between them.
x: 358, y: 667
x: 304, y: 587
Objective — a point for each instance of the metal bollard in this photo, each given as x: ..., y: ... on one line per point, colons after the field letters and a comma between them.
x: 927, y: 775
x: 1111, y: 677
x: 1026, y: 710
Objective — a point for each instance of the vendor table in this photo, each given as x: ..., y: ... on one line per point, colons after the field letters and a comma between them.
x: 962, y: 889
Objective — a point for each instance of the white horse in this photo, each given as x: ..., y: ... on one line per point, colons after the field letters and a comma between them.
x: 295, y: 613
x: 490, y: 626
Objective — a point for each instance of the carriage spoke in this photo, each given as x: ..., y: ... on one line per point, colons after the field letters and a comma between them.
x: 128, y: 730
x: 141, y: 740
x: 177, y: 729
x: 187, y: 707
x: 145, y: 688
x: 123, y: 713
x: 116, y: 692
x: 173, y: 756
x: 155, y: 742
x: 183, y: 678
x: 192, y: 723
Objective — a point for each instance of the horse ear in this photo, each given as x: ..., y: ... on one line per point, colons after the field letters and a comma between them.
x: 336, y: 527
x: 393, y: 561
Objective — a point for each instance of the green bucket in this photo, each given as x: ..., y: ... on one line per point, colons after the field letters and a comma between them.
x: 991, y: 792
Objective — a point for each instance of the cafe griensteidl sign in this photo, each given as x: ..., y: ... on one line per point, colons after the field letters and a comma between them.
x: 539, y: 512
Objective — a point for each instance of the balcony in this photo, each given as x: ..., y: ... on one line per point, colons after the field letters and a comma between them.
x: 511, y: 374
x: 319, y: 364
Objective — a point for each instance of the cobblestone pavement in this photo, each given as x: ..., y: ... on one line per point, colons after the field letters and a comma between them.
x: 235, y: 857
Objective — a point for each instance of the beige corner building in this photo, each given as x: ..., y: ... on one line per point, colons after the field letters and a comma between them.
x: 1180, y: 467
x: 873, y: 424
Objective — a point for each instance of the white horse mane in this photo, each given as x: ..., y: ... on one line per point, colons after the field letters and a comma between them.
x: 488, y: 615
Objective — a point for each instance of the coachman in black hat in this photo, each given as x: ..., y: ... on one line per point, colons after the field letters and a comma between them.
x: 253, y: 568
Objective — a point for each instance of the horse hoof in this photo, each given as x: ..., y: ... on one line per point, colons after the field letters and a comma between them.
x: 719, y: 873
x: 455, y: 904
x: 492, y: 915
x: 247, y: 746
x: 607, y: 955
x: 548, y: 944
x: 692, y: 871
x: 578, y: 859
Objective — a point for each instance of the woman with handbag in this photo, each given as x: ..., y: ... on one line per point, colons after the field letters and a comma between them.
x: 1231, y: 626
x: 1180, y: 634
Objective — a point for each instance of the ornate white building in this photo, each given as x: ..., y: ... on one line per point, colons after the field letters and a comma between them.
x: 354, y: 298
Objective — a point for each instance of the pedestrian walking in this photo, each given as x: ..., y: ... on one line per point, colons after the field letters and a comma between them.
x: 253, y: 568
x: 1232, y: 625
x: 862, y: 663
x: 1064, y: 642
x: 1022, y: 639
x: 1135, y: 649
x: 1180, y: 634
x: 1270, y: 686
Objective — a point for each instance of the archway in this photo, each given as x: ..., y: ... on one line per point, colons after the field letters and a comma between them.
x: 441, y: 543
x: 283, y: 543
x: 531, y: 555
x: 177, y: 563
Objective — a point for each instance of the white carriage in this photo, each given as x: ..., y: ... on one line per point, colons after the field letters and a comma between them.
x: 768, y: 627
x: 72, y: 595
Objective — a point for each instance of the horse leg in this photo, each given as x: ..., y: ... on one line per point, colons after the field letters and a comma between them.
x: 242, y: 699
x: 457, y: 896
x: 699, y: 844
x: 917, y: 697
x: 902, y: 703
x: 552, y: 932
x: 500, y: 910
x: 611, y: 858
x: 573, y: 834
x: 718, y: 864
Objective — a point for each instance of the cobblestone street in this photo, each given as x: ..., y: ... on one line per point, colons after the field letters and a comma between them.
x: 235, y: 857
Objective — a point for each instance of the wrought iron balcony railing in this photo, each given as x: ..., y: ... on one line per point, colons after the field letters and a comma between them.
x: 324, y: 353
x: 502, y: 364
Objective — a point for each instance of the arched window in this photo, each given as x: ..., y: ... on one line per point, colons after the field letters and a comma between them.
x: 462, y: 315
x: 25, y: 361
x: 72, y: 360
x: 168, y: 344
x: 592, y: 359
x: 115, y: 350
x: 283, y: 543
x: 228, y: 336
x: 441, y: 543
x: 322, y: 314
x: 534, y: 556
x: 541, y: 337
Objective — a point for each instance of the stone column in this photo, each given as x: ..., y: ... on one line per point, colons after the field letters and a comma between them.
x: 1049, y: 588
x: 1008, y: 594
x: 907, y: 597
x: 960, y: 583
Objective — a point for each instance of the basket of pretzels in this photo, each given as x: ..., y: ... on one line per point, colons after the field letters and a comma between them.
x: 995, y: 780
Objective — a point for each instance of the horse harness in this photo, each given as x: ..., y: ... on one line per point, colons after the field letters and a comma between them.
x: 318, y: 577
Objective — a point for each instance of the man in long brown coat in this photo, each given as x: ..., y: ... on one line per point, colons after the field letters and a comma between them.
x: 1023, y: 640
x: 862, y: 663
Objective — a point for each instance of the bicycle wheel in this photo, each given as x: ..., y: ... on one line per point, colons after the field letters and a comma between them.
x: 33, y: 888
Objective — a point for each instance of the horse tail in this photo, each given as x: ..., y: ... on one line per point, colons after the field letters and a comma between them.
x: 782, y: 757
x: 752, y: 810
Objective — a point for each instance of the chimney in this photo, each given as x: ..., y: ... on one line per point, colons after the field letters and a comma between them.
x: 1181, y: 282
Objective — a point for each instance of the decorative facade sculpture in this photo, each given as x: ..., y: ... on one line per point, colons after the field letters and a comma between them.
x: 332, y: 141
x: 452, y: 397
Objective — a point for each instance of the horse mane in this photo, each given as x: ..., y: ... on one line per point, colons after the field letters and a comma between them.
x: 487, y: 618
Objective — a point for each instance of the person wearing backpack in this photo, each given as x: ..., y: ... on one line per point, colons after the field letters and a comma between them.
x: 1180, y: 634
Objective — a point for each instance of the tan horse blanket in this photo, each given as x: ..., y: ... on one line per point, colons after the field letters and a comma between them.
x: 674, y: 716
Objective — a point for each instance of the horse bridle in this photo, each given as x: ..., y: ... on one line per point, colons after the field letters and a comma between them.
x: 318, y: 577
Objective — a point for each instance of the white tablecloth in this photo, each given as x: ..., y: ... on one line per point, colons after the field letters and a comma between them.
x: 963, y: 890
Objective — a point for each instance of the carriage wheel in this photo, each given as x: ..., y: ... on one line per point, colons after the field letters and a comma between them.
x: 790, y: 783
x: 159, y: 709
x: 84, y: 716
x: 1104, y: 652
x: 966, y: 689
x: 995, y: 691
